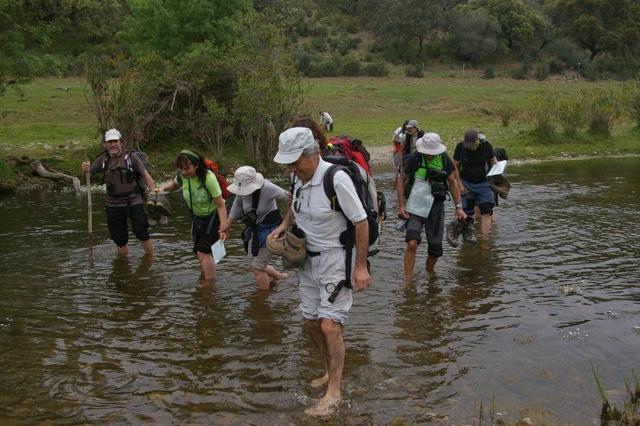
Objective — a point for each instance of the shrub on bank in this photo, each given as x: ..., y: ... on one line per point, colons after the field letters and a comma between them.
x: 604, y: 107
x: 414, y: 71
x: 543, y: 110
x: 506, y: 113
x: 571, y: 113
x: 376, y: 69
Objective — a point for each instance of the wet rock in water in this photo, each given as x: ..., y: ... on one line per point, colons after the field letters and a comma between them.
x: 397, y: 421
x: 526, y: 421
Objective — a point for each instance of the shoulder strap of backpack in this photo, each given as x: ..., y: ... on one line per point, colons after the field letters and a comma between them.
x: 329, y: 189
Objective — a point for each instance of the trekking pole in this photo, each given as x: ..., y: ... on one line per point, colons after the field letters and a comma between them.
x: 89, y: 208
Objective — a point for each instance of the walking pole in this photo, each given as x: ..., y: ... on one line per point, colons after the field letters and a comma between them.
x: 89, y: 209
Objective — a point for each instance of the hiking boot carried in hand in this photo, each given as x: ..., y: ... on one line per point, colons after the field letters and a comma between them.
x: 158, y: 207
x: 454, y: 230
x: 288, y: 245
x: 468, y: 233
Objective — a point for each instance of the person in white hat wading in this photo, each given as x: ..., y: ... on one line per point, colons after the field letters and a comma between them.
x: 427, y: 177
x: 124, y: 196
x: 325, y: 296
x: 256, y: 206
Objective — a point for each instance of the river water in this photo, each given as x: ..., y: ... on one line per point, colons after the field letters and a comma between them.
x: 518, y: 319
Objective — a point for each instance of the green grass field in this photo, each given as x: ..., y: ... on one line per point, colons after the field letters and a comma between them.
x: 50, y: 119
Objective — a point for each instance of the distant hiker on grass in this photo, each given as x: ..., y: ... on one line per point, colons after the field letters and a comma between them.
x: 427, y: 177
x: 473, y: 158
x: 256, y: 206
x: 203, y: 196
x: 121, y: 170
x: 326, y: 121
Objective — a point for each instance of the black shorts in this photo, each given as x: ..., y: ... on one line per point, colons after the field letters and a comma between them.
x: 433, y: 228
x: 204, y: 232
x: 117, y: 223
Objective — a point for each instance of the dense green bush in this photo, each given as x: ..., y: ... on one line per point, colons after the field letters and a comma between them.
x: 521, y: 73
x: 489, y: 73
x: 571, y: 113
x: 541, y: 71
x: 543, y: 111
x: 603, y: 108
x: 567, y: 53
x: 632, y: 101
x: 376, y: 69
x: 506, y: 113
x: 414, y: 71
x: 351, y: 67
x: 325, y: 67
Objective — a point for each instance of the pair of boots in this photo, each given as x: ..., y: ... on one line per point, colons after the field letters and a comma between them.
x: 157, y: 208
x: 455, y: 228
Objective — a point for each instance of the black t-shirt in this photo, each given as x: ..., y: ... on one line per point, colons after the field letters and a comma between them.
x: 474, y: 164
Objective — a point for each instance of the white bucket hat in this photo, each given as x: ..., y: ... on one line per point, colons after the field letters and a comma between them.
x: 112, y: 135
x: 292, y: 142
x: 246, y: 181
x: 430, y: 144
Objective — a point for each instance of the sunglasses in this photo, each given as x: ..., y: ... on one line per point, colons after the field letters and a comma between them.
x: 296, y: 202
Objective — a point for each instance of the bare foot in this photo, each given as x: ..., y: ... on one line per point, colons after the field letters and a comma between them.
x: 325, y: 407
x: 320, y: 381
x: 282, y: 276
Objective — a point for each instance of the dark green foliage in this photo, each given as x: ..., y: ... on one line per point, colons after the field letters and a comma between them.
x: 542, y: 113
x: 603, y: 107
x: 541, y: 71
x: 170, y: 28
x: 489, y: 73
x: 521, y: 73
x: 414, y: 71
x: 474, y: 36
x: 568, y: 53
x: 351, y: 67
x: 376, y: 69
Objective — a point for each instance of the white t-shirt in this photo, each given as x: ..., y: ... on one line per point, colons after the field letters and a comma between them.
x: 399, y: 135
x: 314, y: 215
x: 326, y: 118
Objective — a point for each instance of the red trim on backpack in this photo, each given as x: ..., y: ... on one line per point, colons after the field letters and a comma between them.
x: 222, y: 180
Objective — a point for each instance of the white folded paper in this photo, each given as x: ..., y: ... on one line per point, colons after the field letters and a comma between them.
x: 218, y: 251
x: 498, y: 168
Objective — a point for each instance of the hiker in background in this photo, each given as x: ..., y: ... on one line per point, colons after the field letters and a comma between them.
x: 411, y: 135
x: 473, y: 158
x: 325, y: 293
x: 256, y: 206
x: 121, y: 170
x: 318, y: 133
x: 427, y: 176
x: 399, y: 137
x: 326, y: 121
x: 203, y: 196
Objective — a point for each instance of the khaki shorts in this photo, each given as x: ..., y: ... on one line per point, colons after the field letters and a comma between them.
x: 262, y: 260
x: 318, y: 271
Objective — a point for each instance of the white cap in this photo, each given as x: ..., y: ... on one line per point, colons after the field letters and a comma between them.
x: 430, y: 144
x: 111, y: 135
x: 413, y: 123
x: 246, y: 181
x: 292, y: 142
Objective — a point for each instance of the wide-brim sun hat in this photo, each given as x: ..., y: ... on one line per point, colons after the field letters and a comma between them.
x: 291, y: 143
x: 246, y: 181
x: 430, y: 144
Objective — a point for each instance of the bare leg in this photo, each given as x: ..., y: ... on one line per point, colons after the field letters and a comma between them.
x: 313, y: 328
x: 262, y: 279
x: 485, y: 224
x: 275, y: 274
x: 410, y: 260
x: 147, y: 245
x: 431, y: 263
x: 207, y: 265
x: 332, y: 332
x: 124, y: 250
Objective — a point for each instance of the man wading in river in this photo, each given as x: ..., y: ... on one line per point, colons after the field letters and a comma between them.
x: 124, y: 196
x: 325, y: 265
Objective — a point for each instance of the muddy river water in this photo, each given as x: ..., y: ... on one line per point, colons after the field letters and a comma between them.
x: 520, y: 318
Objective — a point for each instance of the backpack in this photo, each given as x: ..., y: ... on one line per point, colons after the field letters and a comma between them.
x: 139, y: 178
x: 351, y: 149
x: 362, y: 189
x: 222, y: 179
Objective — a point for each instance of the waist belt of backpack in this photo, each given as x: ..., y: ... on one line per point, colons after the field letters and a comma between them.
x: 349, y: 243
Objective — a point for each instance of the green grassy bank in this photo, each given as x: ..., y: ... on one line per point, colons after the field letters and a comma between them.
x: 49, y: 119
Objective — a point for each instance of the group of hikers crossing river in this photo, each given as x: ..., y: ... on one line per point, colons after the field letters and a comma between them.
x: 333, y: 217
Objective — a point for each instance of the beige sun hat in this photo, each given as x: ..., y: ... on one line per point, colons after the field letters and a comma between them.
x: 430, y: 144
x: 246, y: 181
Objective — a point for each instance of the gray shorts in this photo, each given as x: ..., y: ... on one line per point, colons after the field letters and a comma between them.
x: 318, y: 271
x: 262, y: 260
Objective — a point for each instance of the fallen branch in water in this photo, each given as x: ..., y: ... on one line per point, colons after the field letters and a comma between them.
x: 37, y: 166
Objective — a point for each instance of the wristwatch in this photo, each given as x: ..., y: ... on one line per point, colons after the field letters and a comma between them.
x: 458, y: 206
